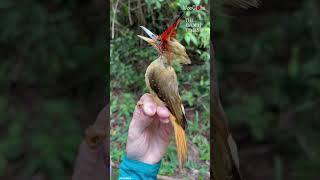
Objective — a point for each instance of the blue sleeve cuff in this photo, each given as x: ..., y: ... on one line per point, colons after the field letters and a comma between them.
x: 132, y: 169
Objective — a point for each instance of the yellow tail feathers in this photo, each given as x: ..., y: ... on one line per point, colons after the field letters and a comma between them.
x: 181, y: 141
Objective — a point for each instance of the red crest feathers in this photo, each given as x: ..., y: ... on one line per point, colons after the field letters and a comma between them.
x: 170, y: 32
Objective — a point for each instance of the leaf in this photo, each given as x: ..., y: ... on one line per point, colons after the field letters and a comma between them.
x: 205, y: 56
x: 196, y: 2
x: 184, y: 3
x: 187, y: 39
x: 189, y: 97
x: 194, y: 39
x: 158, y: 5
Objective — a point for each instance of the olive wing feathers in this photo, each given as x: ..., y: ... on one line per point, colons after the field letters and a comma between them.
x: 164, y: 84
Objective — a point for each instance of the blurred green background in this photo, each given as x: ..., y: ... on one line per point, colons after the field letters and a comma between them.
x: 269, y: 73
x: 52, y: 84
x: 129, y: 59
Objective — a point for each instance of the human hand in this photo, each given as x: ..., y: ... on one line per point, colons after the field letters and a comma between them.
x: 149, y: 131
x: 92, y: 161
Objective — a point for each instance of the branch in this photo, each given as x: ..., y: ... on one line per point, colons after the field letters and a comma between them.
x: 138, y: 7
x: 114, y: 9
x: 129, y: 13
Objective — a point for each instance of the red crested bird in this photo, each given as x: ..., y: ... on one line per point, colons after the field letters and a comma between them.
x: 162, y: 83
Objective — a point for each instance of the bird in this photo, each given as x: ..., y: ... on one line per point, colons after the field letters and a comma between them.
x: 161, y: 81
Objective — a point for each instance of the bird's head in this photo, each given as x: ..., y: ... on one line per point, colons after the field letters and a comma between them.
x: 167, y: 45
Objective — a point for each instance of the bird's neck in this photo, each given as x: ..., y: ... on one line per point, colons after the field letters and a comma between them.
x: 163, y: 60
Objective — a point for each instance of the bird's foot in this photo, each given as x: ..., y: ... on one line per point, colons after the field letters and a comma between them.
x: 139, y: 104
x: 95, y: 136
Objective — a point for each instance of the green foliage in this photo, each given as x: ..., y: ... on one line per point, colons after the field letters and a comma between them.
x: 170, y: 162
x: 251, y: 111
x: 123, y: 72
x: 47, y: 57
x: 202, y: 143
x: 129, y: 60
x: 44, y: 38
x: 184, y: 2
x: 270, y: 81
x: 46, y: 141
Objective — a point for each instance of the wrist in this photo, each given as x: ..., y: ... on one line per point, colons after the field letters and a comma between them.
x: 146, y: 159
x: 150, y: 160
x: 139, y: 167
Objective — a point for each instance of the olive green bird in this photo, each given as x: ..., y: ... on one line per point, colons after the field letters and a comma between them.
x: 161, y: 80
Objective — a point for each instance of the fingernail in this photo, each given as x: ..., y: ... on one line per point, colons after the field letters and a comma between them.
x: 163, y: 112
x: 149, y: 108
x: 162, y: 109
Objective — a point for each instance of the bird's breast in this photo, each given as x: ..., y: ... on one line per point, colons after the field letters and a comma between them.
x: 159, y: 77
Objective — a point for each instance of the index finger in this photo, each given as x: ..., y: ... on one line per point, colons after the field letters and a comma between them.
x: 149, y: 106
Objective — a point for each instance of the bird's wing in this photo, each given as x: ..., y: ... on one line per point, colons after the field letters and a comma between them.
x: 164, y: 84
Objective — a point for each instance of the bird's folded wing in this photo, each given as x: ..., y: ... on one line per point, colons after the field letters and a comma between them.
x: 165, y: 85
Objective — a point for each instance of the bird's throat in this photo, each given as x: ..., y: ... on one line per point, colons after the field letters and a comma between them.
x: 163, y: 60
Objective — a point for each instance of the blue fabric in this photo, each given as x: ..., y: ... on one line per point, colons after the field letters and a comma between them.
x: 136, y: 170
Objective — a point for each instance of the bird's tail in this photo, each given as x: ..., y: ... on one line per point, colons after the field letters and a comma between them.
x: 181, y: 141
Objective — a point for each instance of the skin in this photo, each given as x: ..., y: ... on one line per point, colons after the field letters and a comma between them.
x: 148, y: 139
x: 91, y: 160
x: 149, y: 131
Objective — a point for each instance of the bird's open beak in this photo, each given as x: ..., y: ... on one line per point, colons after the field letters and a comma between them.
x: 150, y: 41
x: 153, y: 38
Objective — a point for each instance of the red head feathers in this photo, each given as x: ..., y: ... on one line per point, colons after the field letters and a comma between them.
x: 171, y: 31
x: 161, y: 42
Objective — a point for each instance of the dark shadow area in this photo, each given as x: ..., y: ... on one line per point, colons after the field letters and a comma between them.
x: 53, y: 84
x: 268, y: 63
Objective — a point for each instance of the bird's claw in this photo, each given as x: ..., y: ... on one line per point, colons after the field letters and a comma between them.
x: 139, y: 104
x: 95, y: 136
